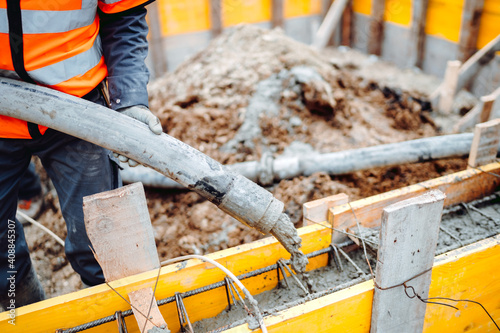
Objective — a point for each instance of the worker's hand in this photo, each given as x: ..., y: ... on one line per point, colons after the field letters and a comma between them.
x: 143, y: 114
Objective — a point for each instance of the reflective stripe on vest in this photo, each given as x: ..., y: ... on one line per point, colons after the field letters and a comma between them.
x: 68, y: 68
x: 46, y: 22
x: 60, y: 45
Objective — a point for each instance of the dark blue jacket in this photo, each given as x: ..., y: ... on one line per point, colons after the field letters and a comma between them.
x: 125, y: 47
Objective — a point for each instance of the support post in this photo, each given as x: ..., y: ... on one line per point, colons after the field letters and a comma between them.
x: 119, y: 228
x: 408, y: 239
x: 417, y: 38
x: 449, y: 86
x: 376, y: 27
x: 347, y: 25
x: 157, y: 41
x: 317, y: 210
x: 485, y: 143
x: 329, y: 24
x: 277, y: 13
x: 469, y: 28
x: 470, y: 68
x: 216, y: 17
x: 481, y: 112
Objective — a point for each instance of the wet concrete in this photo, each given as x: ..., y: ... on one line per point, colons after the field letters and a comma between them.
x: 460, y: 225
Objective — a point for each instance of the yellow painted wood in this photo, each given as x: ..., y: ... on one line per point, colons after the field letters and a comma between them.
x: 245, y: 11
x: 398, y: 12
x: 469, y: 272
x: 295, y: 8
x: 97, y: 302
x: 489, y: 27
x: 444, y: 18
x: 362, y: 6
x: 464, y: 186
x: 180, y: 16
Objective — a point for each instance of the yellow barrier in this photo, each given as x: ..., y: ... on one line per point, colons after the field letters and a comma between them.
x: 443, y: 16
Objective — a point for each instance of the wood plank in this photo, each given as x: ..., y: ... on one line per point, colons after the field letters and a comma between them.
x: 329, y: 24
x: 449, y: 87
x: 317, y: 210
x: 141, y: 299
x: 469, y: 28
x: 277, y: 12
x: 347, y: 25
x: 416, y: 48
x: 119, y: 227
x: 97, y: 302
x: 216, y: 17
x: 477, y: 113
x: 487, y: 102
x: 464, y: 186
x: 470, y: 68
x: 408, y: 239
x: 484, y: 146
x: 465, y: 273
x: 376, y: 27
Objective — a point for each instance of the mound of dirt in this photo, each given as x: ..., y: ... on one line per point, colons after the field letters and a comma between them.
x: 249, y: 92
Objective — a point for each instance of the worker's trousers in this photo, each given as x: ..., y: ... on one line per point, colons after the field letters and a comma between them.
x: 77, y: 169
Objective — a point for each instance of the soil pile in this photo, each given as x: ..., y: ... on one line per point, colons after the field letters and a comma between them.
x: 250, y: 92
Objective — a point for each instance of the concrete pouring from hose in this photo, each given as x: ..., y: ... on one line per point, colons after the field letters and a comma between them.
x: 232, y: 193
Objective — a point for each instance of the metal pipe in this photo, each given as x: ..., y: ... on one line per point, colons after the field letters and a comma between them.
x: 234, y: 194
x: 337, y: 163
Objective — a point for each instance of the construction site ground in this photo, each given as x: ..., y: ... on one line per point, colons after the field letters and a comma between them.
x: 254, y: 91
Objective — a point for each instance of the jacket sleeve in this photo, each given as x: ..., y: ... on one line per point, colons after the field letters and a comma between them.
x: 125, y: 47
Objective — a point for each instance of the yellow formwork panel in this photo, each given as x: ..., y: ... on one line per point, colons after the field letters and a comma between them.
x: 490, y: 22
x: 245, y: 11
x: 295, y: 8
x: 398, y: 12
x: 181, y: 16
x: 444, y: 18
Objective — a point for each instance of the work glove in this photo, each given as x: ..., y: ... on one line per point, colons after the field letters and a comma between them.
x: 144, y: 115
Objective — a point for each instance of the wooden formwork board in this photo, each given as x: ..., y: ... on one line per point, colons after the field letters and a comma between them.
x: 464, y: 186
x: 466, y: 273
x: 97, y: 302
x: 94, y: 303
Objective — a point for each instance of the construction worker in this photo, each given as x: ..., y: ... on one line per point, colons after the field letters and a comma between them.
x: 71, y: 46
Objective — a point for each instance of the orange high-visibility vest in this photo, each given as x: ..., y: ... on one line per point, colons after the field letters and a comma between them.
x: 55, y: 44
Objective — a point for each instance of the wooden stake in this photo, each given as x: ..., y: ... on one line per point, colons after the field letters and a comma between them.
x: 408, y: 240
x: 216, y: 17
x: 141, y: 299
x: 480, y: 113
x: 470, y: 68
x: 469, y: 29
x: 449, y: 86
x: 484, y: 146
x: 317, y: 210
x: 157, y: 42
x: 329, y: 24
x: 119, y: 227
x: 347, y: 24
x: 417, y: 38
x: 376, y: 27
x: 277, y: 12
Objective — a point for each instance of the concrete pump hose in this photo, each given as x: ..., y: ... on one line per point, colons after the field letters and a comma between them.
x: 231, y: 192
